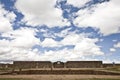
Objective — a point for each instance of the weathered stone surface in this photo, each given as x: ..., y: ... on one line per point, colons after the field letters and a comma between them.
x: 58, y: 64
x: 32, y: 64
x: 84, y: 64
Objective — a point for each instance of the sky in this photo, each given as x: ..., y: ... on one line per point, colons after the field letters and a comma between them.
x: 60, y: 30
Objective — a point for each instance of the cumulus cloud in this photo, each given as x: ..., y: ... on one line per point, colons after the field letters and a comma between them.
x: 6, y: 18
x: 20, y: 44
x: 83, y: 45
x: 41, y: 12
x: 23, y: 37
x: 49, y: 42
x: 17, y: 54
x: 19, y: 47
x: 88, y: 47
x: 112, y: 49
x: 64, y: 55
x: 104, y: 16
x: 71, y: 39
x: 77, y: 3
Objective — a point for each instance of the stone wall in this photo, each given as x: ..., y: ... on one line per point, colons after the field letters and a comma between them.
x: 6, y: 66
x: 84, y: 64
x: 107, y: 65
x: 58, y: 64
x: 32, y: 64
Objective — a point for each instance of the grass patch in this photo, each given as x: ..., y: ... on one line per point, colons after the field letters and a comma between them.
x: 5, y: 69
x: 113, y: 69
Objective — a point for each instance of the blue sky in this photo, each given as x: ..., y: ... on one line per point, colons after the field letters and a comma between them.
x: 60, y: 30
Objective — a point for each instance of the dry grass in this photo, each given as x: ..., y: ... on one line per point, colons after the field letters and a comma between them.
x: 59, y: 77
x: 56, y: 79
x: 14, y: 79
x: 113, y: 69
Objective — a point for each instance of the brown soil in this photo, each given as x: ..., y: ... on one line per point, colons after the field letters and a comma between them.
x: 59, y: 77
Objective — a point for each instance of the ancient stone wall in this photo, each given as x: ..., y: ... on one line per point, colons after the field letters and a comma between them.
x: 6, y: 66
x: 58, y: 64
x: 84, y: 64
x: 107, y: 65
x: 32, y: 64
x: 44, y: 64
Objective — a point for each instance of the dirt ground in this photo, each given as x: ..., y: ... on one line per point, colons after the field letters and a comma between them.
x: 59, y: 77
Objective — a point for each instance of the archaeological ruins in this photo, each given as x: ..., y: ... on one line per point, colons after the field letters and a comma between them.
x: 58, y: 64
x: 48, y: 67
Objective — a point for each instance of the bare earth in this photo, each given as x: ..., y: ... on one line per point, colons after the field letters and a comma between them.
x: 59, y: 77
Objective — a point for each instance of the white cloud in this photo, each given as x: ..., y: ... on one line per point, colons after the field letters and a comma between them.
x: 23, y: 38
x: 66, y: 55
x: 117, y: 45
x: 88, y: 47
x: 104, y: 16
x: 5, y: 19
x: 41, y: 12
x: 114, y: 40
x: 83, y: 45
x: 20, y: 45
x: 77, y: 3
x: 71, y: 39
x: 62, y: 55
x: 17, y: 54
x: 49, y: 42
x: 112, y: 49
x: 11, y: 16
